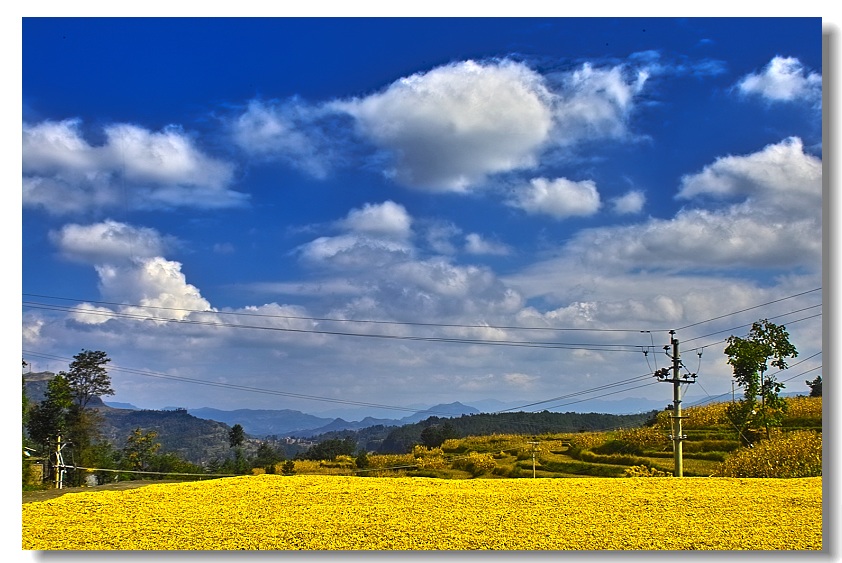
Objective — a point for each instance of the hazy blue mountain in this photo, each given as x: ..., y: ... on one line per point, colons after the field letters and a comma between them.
x: 264, y: 422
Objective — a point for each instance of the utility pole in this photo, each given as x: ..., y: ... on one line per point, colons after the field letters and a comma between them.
x: 534, y: 446
x: 59, y: 464
x: 662, y: 374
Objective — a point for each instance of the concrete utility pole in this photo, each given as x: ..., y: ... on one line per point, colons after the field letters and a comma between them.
x: 677, y: 433
x: 534, y: 446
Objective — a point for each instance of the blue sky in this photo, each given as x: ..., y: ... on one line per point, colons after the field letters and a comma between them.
x: 317, y: 213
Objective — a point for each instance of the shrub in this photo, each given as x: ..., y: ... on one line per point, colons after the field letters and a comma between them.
x: 792, y: 454
x: 645, y: 471
x: 589, y: 440
x: 475, y: 463
x: 644, y: 438
x: 804, y: 410
x: 617, y: 447
x: 429, y: 458
x: 389, y: 461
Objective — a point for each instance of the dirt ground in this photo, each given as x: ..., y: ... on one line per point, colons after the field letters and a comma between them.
x: 35, y: 496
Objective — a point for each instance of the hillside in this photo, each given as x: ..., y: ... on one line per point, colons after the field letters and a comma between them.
x: 400, y: 439
x: 194, y: 439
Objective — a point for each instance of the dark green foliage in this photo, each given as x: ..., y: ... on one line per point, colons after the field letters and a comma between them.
x: 49, y: 418
x: 266, y: 457
x: 88, y: 377
x: 361, y: 460
x: 574, y: 468
x: 726, y: 446
x: 815, y: 387
x: 288, y: 467
x: 613, y: 447
x: 766, y: 344
x: 434, y: 435
x: 236, y: 436
x: 329, y: 449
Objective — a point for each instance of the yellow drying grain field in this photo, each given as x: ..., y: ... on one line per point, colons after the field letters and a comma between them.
x: 273, y: 512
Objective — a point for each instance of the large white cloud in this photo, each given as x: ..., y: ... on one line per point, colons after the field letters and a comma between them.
x: 784, y: 79
x: 451, y: 127
x: 781, y: 176
x: 108, y: 242
x: 559, y: 198
x: 133, y: 168
x: 155, y: 283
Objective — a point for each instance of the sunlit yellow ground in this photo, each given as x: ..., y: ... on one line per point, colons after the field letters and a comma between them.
x: 272, y: 512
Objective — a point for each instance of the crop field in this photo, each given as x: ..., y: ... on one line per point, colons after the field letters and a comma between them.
x: 307, y: 512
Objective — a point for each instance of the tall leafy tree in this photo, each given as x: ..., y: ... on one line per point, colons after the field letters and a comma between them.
x: 50, y: 417
x: 236, y: 436
x: 140, y: 449
x: 766, y: 344
x: 88, y: 377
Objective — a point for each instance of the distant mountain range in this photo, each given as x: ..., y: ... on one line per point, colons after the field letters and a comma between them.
x: 295, y: 423
x: 260, y: 423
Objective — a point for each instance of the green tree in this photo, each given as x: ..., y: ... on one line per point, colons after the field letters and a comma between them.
x: 236, y: 436
x: 329, y: 449
x: 49, y: 418
x: 815, y: 387
x: 88, y: 377
x: 766, y: 344
x: 140, y: 449
x: 266, y: 457
x: 435, y: 435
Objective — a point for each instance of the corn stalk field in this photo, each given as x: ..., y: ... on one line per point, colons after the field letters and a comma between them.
x: 319, y: 512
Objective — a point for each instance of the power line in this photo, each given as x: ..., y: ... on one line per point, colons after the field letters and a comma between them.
x: 321, y: 319
x: 594, y: 389
x: 516, y: 343
x: 743, y: 326
x: 750, y: 308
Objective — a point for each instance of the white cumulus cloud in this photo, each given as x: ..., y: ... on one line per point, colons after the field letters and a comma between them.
x: 784, y: 79
x: 629, y: 203
x: 559, y: 198
x: 387, y: 219
x: 780, y: 175
x: 109, y: 241
x: 133, y: 168
x: 449, y: 128
x: 151, y: 282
